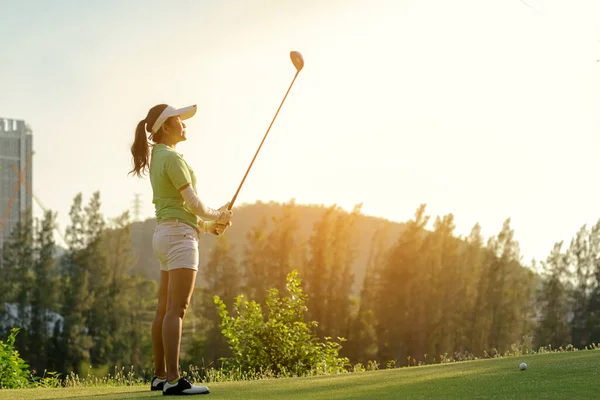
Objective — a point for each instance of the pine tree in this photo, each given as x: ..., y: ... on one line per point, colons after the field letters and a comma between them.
x: 508, y: 289
x: 18, y: 264
x: 316, y: 271
x: 398, y: 279
x: 328, y: 274
x: 553, y: 328
x: 44, y: 294
x: 581, y: 258
x: 480, y: 321
x: 284, y: 247
x: 255, y: 265
x: 472, y: 259
x: 362, y: 339
x: 440, y: 299
x: 95, y: 256
x: 344, y: 244
x: 269, y: 257
x: 128, y: 301
x: 75, y: 341
x: 593, y: 309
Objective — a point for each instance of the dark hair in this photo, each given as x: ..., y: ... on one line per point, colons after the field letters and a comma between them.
x: 140, y: 149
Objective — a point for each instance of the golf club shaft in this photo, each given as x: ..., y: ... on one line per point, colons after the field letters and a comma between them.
x: 261, y: 143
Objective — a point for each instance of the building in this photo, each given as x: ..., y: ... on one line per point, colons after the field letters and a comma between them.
x: 16, y: 152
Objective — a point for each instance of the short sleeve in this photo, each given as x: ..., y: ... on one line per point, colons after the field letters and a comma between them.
x: 177, y: 171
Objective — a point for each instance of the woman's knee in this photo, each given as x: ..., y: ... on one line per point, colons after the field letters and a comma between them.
x: 176, y: 312
x: 178, y: 308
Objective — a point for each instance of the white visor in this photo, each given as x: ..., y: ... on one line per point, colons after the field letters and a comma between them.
x: 184, y: 113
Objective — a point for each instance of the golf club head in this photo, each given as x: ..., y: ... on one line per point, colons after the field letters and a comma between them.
x: 297, y: 60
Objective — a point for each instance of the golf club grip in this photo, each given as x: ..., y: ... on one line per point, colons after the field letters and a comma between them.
x: 261, y: 143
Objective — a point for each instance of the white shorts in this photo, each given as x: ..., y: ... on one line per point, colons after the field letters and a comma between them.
x: 175, y: 244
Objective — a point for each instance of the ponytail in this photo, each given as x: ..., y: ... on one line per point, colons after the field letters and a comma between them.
x: 140, y: 150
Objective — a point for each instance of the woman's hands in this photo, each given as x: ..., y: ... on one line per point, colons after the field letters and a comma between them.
x: 224, y: 214
x: 215, y: 227
x: 222, y: 223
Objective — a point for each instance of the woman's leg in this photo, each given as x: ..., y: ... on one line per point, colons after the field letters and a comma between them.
x: 180, y: 289
x: 160, y: 369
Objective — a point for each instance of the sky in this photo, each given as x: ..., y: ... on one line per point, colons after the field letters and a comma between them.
x: 484, y: 109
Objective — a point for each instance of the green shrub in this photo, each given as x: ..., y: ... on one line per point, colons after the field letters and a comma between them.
x: 14, y: 371
x: 48, y: 380
x: 280, y: 342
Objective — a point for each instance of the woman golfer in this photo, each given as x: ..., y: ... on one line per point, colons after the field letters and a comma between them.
x: 180, y: 217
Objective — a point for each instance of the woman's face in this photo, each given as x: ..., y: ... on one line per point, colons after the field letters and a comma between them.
x: 174, y: 128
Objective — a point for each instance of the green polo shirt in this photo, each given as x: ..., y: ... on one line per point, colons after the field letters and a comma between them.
x: 168, y: 173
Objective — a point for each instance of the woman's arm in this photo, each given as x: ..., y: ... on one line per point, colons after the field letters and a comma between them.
x: 195, y: 204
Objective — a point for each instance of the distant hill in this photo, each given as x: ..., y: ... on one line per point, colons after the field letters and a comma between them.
x: 247, y: 216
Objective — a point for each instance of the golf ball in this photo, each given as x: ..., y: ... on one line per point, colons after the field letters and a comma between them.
x: 523, y: 366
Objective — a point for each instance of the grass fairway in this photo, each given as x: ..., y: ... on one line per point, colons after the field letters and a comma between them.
x: 573, y: 375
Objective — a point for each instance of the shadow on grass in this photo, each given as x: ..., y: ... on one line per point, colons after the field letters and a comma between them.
x: 382, y: 385
x: 135, y: 394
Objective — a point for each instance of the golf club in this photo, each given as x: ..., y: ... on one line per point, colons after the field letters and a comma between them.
x: 298, y: 62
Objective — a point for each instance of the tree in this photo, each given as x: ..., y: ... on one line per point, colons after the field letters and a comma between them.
x: 255, y: 264
x: 398, y: 279
x: 473, y: 258
x: 44, y: 297
x: 269, y: 257
x: 127, y: 303
x: 581, y: 258
x: 509, y: 287
x: 94, y: 261
x: 316, y: 271
x: 328, y: 274
x: 18, y: 264
x: 593, y: 309
x: 437, y: 300
x: 553, y: 328
x: 362, y: 339
x: 75, y: 341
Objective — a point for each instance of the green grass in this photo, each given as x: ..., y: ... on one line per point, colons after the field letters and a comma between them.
x: 568, y: 375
